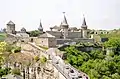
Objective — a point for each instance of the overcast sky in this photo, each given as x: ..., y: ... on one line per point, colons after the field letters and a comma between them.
x: 100, y: 14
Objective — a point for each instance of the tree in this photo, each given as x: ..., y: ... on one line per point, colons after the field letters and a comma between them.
x: 4, y: 71
x: 72, y: 50
x: 113, y: 42
x: 115, y: 76
x: 4, y: 52
x: 3, y: 47
x: 43, y: 61
x: 96, y: 63
x: 16, y: 71
x: 34, y: 33
x: 96, y: 54
x: 16, y: 49
x: 36, y: 58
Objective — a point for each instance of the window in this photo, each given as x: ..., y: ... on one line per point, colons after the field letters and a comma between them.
x: 71, y: 71
x: 31, y: 40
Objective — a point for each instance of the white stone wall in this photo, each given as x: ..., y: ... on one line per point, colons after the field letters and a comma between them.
x: 84, y: 32
x: 10, y: 28
x: 65, y: 33
x: 41, y: 41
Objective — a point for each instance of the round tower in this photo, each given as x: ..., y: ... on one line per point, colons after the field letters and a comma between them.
x: 64, y: 25
x: 10, y: 27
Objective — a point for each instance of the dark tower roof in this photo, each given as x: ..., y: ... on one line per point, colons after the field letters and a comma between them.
x: 23, y: 30
x: 64, y: 22
x: 40, y: 26
x: 10, y: 23
x: 84, y: 24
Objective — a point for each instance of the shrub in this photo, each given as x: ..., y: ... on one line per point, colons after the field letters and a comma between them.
x: 16, y: 71
x: 36, y: 58
x: 16, y: 49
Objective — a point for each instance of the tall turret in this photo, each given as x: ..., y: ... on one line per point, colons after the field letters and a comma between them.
x: 10, y: 27
x: 84, y: 28
x: 40, y: 27
x: 64, y: 25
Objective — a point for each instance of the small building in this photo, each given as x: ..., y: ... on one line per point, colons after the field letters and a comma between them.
x: 10, y: 27
x: 46, y: 40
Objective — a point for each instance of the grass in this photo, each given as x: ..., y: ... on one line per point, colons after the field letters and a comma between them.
x: 43, y: 47
x: 2, y: 36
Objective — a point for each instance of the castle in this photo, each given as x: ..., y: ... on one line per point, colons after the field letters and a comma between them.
x: 57, y: 35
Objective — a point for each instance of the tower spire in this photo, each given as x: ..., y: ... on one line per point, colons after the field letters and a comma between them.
x: 84, y: 21
x: 84, y: 28
x: 64, y: 22
x: 64, y: 25
x: 40, y: 26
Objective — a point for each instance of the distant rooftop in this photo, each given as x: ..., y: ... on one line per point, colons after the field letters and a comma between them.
x: 11, y: 23
x: 46, y: 35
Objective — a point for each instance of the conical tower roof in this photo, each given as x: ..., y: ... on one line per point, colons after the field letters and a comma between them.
x: 40, y: 26
x: 10, y: 23
x: 84, y: 24
x: 64, y: 22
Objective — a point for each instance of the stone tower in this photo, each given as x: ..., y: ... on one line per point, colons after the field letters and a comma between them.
x: 10, y: 27
x: 40, y: 28
x: 84, y: 29
x: 64, y: 25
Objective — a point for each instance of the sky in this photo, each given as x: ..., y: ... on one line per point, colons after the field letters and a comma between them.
x: 99, y: 14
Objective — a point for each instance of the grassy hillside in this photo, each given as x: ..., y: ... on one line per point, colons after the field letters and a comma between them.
x: 112, y: 34
x: 2, y: 36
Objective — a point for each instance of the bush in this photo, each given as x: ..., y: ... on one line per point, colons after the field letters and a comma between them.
x: 36, y: 58
x: 16, y: 71
x: 4, y: 71
x: 34, y: 33
x: 16, y: 49
x: 43, y: 60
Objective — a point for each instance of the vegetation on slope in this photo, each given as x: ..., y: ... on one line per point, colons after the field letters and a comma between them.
x: 115, y: 33
x: 34, y: 33
x: 97, y: 64
x: 2, y: 36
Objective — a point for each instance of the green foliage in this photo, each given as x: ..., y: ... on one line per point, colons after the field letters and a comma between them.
x: 43, y: 47
x: 115, y: 33
x: 2, y: 36
x: 97, y: 54
x: 34, y: 33
x: 4, y: 71
x: 113, y: 42
x: 3, y: 47
x: 95, y: 63
x: 43, y: 60
x: 16, y: 71
x: 16, y: 49
x: 116, y: 76
x: 36, y: 58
